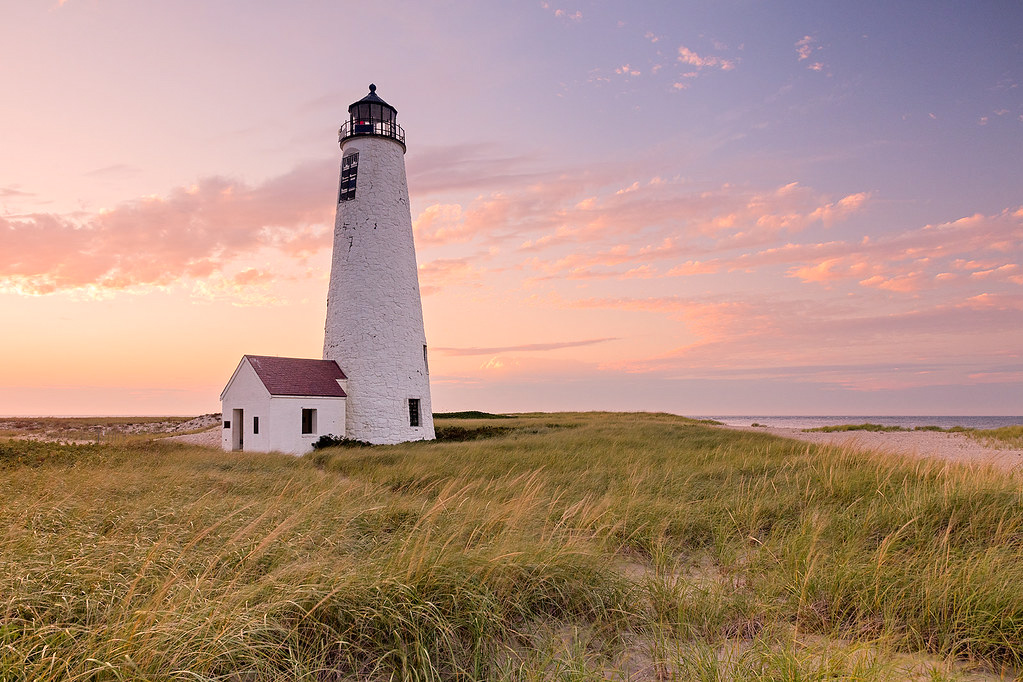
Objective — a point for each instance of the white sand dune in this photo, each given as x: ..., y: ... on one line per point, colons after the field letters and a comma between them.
x: 953, y: 447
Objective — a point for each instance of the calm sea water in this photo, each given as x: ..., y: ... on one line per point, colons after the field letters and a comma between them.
x: 907, y: 422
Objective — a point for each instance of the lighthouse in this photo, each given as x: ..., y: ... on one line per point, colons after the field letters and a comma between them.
x: 374, y: 327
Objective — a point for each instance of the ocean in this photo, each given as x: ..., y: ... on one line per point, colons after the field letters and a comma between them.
x: 810, y: 422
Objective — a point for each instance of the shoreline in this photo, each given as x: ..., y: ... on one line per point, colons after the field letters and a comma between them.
x: 950, y: 447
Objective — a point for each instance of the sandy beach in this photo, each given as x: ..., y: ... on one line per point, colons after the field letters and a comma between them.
x: 953, y: 447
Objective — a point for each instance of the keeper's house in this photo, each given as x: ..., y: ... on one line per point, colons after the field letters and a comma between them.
x: 282, y: 404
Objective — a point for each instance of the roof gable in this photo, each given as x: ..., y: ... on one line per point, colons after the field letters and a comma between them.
x: 298, y: 376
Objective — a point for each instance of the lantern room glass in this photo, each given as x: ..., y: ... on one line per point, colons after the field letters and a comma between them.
x: 372, y: 116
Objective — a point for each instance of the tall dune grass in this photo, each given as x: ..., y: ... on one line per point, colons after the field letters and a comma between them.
x: 570, y: 546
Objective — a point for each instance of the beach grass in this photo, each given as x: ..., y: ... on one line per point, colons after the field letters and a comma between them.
x: 1005, y: 436
x: 1010, y: 436
x: 837, y: 428
x: 562, y: 546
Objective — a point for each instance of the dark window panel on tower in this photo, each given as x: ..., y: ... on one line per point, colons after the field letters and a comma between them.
x: 349, y: 172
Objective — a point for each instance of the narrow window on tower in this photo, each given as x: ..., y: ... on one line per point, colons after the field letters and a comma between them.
x: 349, y: 171
x: 426, y: 360
x: 413, y: 411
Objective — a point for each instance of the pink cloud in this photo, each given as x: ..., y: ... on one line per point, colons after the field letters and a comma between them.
x: 732, y: 217
x: 252, y: 276
x: 441, y: 224
x: 687, y: 56
x: 191, y: 232
x: 994, y: 273
x: 603, y: 224
x: 824, y: 271
x: 913, y: 260
x: 907, y: 283
x: 804, y: 47
x: 436, y: 275
x: 691, y: 267
x: 650, y: 221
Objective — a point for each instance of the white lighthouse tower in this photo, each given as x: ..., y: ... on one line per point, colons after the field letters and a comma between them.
x: 374, y: 328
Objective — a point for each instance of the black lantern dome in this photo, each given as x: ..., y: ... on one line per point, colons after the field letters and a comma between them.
x: 372, y: 116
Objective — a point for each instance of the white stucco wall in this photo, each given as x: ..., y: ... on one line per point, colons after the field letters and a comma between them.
x: 374, y: 327
x: 280, y: 417
x: 285, y: 420
x: 245, y: 392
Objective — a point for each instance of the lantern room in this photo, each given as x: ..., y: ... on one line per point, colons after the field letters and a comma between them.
x: 372, y: 116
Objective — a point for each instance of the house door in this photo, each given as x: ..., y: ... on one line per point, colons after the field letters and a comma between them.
x: 238, y: 430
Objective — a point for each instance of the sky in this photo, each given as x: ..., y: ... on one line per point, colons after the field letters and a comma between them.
x: 700, y: 207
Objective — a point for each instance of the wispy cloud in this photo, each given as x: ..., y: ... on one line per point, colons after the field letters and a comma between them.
x: 465, y: 167
x: 14, y: 192
x: 524, y: 348
x: 765, y: 336
x: 114, y: 170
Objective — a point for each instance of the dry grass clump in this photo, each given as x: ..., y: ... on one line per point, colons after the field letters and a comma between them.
x: 568, y: 546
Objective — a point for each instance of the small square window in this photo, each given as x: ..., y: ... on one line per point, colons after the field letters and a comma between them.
x: 413, y: 411
x: 308, y: 421
x: 255, y: 425
x: 227, y: 424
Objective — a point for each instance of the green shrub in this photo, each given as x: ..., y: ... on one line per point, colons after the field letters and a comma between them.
x: 329, y: 440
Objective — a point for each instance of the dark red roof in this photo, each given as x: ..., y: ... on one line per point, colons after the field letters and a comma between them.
x: 298, y: 376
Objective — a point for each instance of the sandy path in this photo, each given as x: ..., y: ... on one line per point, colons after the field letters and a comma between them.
x: 209, y: 438
x: 953, y: 447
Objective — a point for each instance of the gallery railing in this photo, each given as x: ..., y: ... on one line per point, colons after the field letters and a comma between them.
x: 379, y: 128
